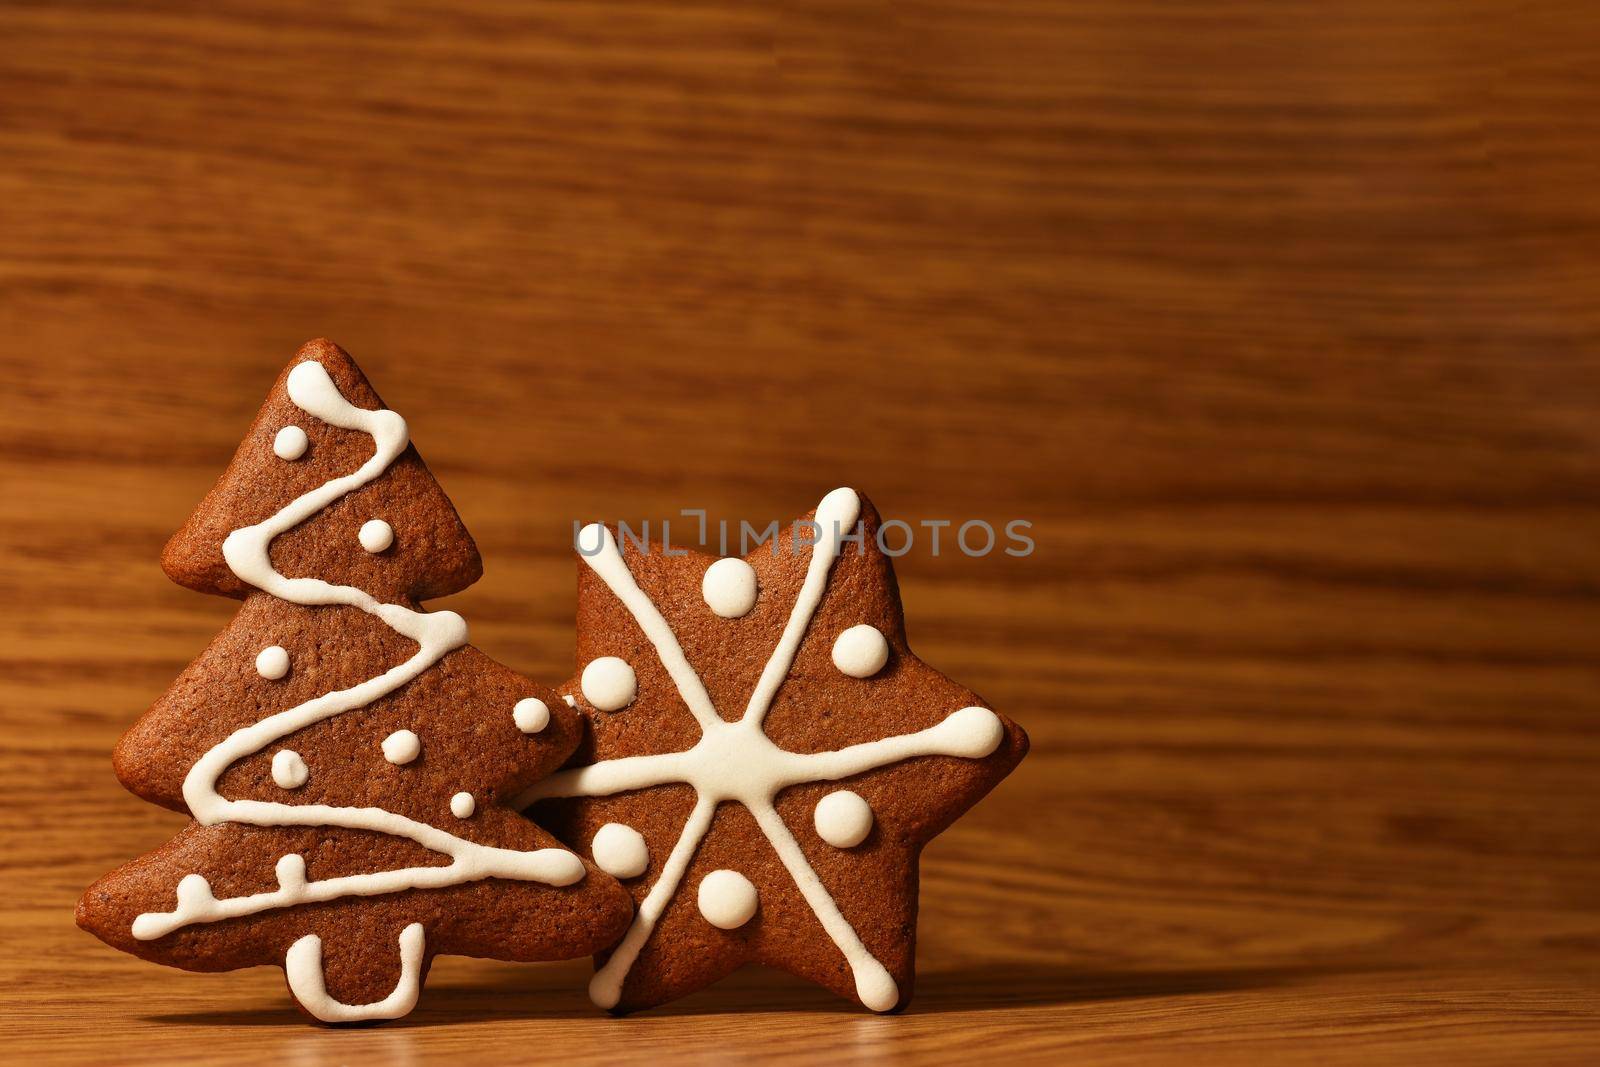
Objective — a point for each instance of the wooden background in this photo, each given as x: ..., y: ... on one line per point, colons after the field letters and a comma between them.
x: 1278, y: 320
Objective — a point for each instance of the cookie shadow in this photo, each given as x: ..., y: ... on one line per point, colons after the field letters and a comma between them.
x: 991, y: 984
x: 520, y: 993
x: 509, y: 992
x: 987, y: 985
x: 268, y: 1017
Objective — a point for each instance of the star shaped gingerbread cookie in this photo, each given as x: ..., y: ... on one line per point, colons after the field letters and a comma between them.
x: 765, y: 759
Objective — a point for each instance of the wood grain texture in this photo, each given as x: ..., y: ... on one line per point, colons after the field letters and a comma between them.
x: 1276, y: 319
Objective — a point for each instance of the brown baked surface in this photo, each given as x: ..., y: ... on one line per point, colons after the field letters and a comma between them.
x: 817, y: 708
x: 460, y: 708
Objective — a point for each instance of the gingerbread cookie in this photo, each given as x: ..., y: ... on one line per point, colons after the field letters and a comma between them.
x: 346, y: 757
x: 765, y: 759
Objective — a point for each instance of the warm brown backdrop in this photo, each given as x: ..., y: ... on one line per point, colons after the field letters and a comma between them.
x: 1277, y: 319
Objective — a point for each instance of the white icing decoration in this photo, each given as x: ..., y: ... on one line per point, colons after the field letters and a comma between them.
x: 272, y: 662
x: 609, y: 683
x: 569, y: 700
x: 194, y: 891
x: 736, y: 761
x: 531, y: 715
x: 401, y: 747
x: 620, y: 851
x: 291, y: 870
x: 303, y: 967
x: 727, y: 899
x: 290, y: 443
x: 462, y: 805
x: 729, y: 588
x: 289, y: 770
x: 861, y: 651
x: 375, y: 535
x: 843, y: 819
x: 435, y: 634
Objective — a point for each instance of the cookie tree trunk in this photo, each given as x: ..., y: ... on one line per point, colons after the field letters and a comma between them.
x: 344, y: 754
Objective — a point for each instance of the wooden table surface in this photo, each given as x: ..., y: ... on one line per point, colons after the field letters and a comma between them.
x: 1277, y: 320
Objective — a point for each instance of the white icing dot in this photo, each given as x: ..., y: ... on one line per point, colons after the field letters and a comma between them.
x: 376, y: 535
x: 875, y: 987
x: 462, y: 805
x: 291, y: 871
x: 402, y: 747
x: 620, y: 851
x: 569, y: 700
x: 194, y: 892
x: 861, y: 651
x: 289, y: 770
x: 290, y: 443
x: 727, y: 899
x: 843, y: 819
x: 531, y: 715
x: 971, y: 732
x: 729, y: 587
x: 272, y: 662
x: 609, y: 683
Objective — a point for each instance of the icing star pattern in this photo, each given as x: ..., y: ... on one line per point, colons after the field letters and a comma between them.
x: 734, y: 761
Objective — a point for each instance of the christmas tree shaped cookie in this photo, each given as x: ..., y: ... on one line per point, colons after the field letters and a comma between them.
x: 765, y: 761
x: 346, y: 757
